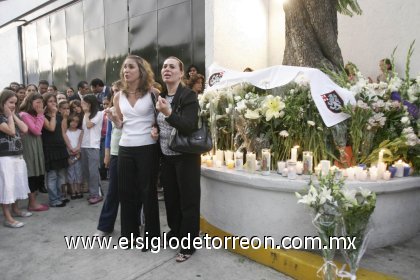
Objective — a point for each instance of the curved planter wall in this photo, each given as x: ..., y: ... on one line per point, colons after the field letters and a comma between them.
x: 254, y: 205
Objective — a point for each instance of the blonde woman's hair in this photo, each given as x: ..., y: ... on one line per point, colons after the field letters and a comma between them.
x: 147, y: 77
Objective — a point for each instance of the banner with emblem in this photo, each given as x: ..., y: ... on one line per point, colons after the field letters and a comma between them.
x: 328, y: 96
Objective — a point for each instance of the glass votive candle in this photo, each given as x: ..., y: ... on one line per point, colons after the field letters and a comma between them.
x: 291, y: 170
x: 406, y: 170
x: 299, y: 168
x: 350, y: 173
x: 218, y: 163
x: 280, y: 166
x: 387, y: 175
x: 392, y: 170
x: 284, y: 172
x: 230, y: 164
x: 209, y: 162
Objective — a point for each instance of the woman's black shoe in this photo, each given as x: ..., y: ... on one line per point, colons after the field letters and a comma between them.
x: 43, y: 189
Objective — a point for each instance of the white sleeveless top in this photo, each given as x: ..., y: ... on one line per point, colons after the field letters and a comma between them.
x: 137, y: 121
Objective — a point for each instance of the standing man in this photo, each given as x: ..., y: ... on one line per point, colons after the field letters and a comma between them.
x: 82, y: 90
x: 43, y: 86
x: 101, y: 91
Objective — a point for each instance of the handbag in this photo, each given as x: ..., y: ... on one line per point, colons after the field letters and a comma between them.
x: 198, y: 142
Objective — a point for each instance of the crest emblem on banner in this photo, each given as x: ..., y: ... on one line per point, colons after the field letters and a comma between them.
x: 215, y: 78
x: 333, y: 101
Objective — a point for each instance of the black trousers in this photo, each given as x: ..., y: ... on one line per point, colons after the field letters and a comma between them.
x: 137, y: 176
x: 180, y: 178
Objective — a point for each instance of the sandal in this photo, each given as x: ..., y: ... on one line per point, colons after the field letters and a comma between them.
x: 23, y: 214
x: 182, y: 257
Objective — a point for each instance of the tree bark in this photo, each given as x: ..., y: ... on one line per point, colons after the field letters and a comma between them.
x: 311, y: 34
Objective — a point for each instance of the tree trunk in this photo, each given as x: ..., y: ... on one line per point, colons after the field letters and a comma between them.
x: 311, y: 34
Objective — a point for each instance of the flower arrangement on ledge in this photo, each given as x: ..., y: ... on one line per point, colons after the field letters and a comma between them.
x: 339, y: 211
x: 384, y: 118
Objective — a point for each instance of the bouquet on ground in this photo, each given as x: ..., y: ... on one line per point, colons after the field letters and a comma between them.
x: 356, y: 207
x: 322, y: 198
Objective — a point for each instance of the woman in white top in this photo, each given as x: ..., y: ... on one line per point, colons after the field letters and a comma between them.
x: 138, y: 156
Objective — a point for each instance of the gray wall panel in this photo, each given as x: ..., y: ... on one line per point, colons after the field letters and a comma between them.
x: 95, y: 54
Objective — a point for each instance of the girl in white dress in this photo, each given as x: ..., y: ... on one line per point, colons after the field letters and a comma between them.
x: 13, y: 172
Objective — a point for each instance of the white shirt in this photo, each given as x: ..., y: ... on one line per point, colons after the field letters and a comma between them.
x: 138, y: 121
x: 92, y: 136
x: 73, y: 137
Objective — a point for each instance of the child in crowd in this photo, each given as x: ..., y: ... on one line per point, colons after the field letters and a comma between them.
x: 13, y: 172
x: 76, y: 108
x: 103, y: 170
x: 74, y: 171
x: 92, y: 125
x: 55, y: 151
x: 64, y: 110
x: 32, y: 114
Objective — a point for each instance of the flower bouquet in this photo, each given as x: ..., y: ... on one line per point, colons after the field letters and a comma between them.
x: 356, y: 208
x: 326, y: 216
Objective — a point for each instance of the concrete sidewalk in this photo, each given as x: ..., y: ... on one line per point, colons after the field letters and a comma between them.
x: 38, y: 251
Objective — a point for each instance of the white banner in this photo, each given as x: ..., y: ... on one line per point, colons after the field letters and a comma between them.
x: 328, y: 96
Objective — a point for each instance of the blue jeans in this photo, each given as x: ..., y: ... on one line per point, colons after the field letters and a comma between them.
x: 55, y: 178
x: 110, y: 207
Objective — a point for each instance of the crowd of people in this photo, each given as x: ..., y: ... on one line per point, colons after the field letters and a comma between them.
x: 66, y: 142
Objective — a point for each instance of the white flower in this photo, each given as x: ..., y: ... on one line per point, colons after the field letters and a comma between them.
x: 365, y: 192
x: 405, y: 120
x: 362, y: 104
x: 309, y: 198
x: 272, y: 107
x: 284, y: 133
x: 349, y: 196
x: 394, y: 84
x: 311, y: 123
x: 325, y: 195
x: 240, y: 106
x: 253, y: 115
x: 237, y: 98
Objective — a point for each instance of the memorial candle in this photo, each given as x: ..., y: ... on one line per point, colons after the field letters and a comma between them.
x: 381, y: 156
x: 400, y: 169
x: 294, y: 153
x: 251, y: 162
x: 325, y: 167
x: 239, y: 161
x: 265, y: 162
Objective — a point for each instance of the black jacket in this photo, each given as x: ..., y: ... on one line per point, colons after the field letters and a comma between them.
x: 184, y: 115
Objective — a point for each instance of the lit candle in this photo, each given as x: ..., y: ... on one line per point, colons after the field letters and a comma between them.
x: 239, y: 161
x: 291, y: 170
x: 250, y: 162
x: 209, y: 162
x: 280, y: 166
x: 325, y: 167
x: 381, y: 169
x: 299, y: 168
x: 265, y: 162
x: 307, y: 159
x: 406, y: 170
x: 387, y: 175
x: 294, y: 153
x: 228, y: 155
x: 381, y: 156
x: 219, y: 155
x: 373, y: 173
x: 230, y: 164
x: 400, y: 169
x: 350, y: 173
x: 363, y: 175
x: 218, y: 163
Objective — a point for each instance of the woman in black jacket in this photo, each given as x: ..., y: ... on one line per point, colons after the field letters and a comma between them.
x: 180, y: 177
